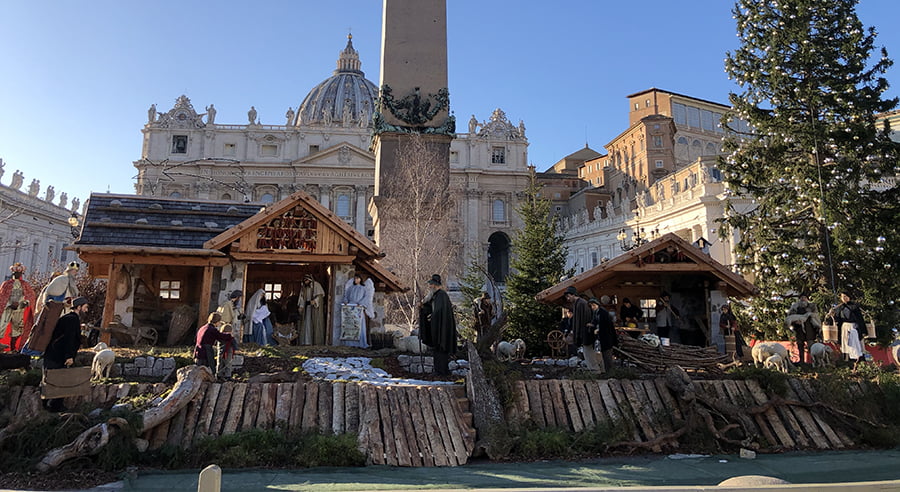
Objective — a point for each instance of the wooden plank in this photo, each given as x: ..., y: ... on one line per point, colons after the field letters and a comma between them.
x: 299, y: 397
x: 206, y: 411
x: 741, y: 399
x: 395, y: 420
x: 761, y: 421
x: 584, y: 403
x: 221, y: 409
x: 235, y: 409
x: 419, y: 428
x: 283, y: 402
x: 351, y: 407
x: 668, y: 400
x: 391, y: 456
x: 571, y: 405
x: 806, y: 420
x: 559, y: 405
x: 435, y: 439
x: 835, y: 436
x: 159, y: 434
x: 547, y: 402
x: 337, y: 408
x: 192, y: 416
x: 661, y: 414
x: 251, y: 406
x: 642, y: 410
x: 176, y: 430
x: 310, y: 407
x: 28, y: 396
x: 325, y: 406
x: 609, y: 400
x: 598, y: 411
x: 760, y: 397
x: 408, y: 422
x: 266, y: 414
x: 535, y: 406
x: 463, y: 442
x: 15, y: 394
x: 520, y: 396
x: 372, y: 425
x: 624, y: 408
x: 445, y: 444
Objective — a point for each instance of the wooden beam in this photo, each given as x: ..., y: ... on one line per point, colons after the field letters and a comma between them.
x: 205, y: 295
x: 109, y: 307
x: 153, y: 259
x: 277, y: 256
x: 663, y: 267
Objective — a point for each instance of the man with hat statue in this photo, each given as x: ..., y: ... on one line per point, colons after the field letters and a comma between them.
x: 17, y: 302
x: 50, y: 305
x: 64, y: 344
x: 583, y: 333
x: 437, y: 325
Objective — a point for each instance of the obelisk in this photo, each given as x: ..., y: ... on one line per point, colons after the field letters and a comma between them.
x: 413, y: 100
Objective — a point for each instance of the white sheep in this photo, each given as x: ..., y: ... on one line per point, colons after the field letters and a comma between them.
x: 764, y: 350
x: 506, y: 351
x: 103, y: 362
x: 100, y: 346
x: 821, y: 354
x: 519, y: 344
x: 776, y: 362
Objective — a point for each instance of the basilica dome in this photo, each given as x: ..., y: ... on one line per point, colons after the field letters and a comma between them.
x: 345, y: 99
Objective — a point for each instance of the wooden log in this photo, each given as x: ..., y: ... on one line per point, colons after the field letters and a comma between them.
x: 15, y: 394
x: 642, y: 410
x: 419, y: 428
x: 435, y: 440
x: 793, y: 425
x: 266, y: 414
x: 546, y: 399
x: 520, y: 396
x: 337, y: 408
x: 311, y: 407
x: 806, y: 420
x: 283, y: 403
x: 158, y: 434
x: 325, y: 407
x: 762, y: 422
x: 661, y: 414
x: 400, y: 405
x: 559, y: 404
x: 190, y: 379
x: 668, y: 400
x: 251, y: 406
x: 351, y: 408
x: 221, y: 410
x: 453, y: 444
x: 372, y: 425
x: 444, y: 445
x: 391, y: 456
x: 397, y: 431
x: 298, y: 398
x: 206, y: 411
x: 771, y: 415
x: 837, y: 438
x: 192, y: 416
x: 535, y: 404
x: 463, y: 442
x: 624, y: 408
x: 176, y: 429
x: 584, y: 403
x: 598, y: 410
x: 571, y: 405
x: 741, y: 399
x: 609, y: 400
x: 235, y: 409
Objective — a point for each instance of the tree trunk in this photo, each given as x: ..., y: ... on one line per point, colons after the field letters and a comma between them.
x: 487, y: 411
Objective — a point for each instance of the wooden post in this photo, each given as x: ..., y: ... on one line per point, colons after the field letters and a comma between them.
x: 109, y: 307
x: 205, y: 293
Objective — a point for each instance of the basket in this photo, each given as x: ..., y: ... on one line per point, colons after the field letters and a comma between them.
x: 829, y: 330
x: 870, y: 327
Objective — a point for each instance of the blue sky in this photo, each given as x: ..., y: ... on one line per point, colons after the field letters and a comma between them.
x: 76, y: 78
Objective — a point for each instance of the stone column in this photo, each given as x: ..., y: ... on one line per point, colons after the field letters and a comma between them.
x: 325, y: 196
x: 361, y: 203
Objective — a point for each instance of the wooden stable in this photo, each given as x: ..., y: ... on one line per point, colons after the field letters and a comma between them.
x: 162, y: 253
x: 698, y: 284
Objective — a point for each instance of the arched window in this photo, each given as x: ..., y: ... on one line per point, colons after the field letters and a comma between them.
x: 710, y: 149
x: 498, y: 211
x: 267, y: 198
x: 175, y: 194
x: 226, y: 196
x: 343, y: 207
x: 498, y: 256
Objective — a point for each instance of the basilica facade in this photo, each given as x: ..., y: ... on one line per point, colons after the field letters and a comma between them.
x: 323, y: 147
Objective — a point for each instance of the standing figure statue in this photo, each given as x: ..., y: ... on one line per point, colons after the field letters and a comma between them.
x: 34, y: 187
x: 356, y: 306
x: 56, y: 296
x: 17, y: 179
x: 311, y: 305
x: 49, y: 194
x: 2, y: 166
x: 63, y: 199
x: 251, y: 115
x: 210, y: 114
x: 75, y: 203
x: 289, y: 116
x: 473, y: 124
x: 521, y: 129
x: 151, y: 114
x: 437, y: 325
x: 17, y: 300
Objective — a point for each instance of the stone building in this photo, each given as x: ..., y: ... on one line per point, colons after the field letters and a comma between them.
x: 34, y: 226
x: 323, y: 148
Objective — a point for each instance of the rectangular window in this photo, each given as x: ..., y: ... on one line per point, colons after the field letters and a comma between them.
x: 268, y: 150
x: 170, y: 289
x: 594, y: 259
x: 179, y: 144
x: 657, y: 141
x: 637, y: 106
x: 659, y: 164
x: 647, y: 103
x: 648, y: 306
x: 273, y: 291
x: 498, y: 155
x: 706, y: 120
x: 313, y: 149
x: 693, y: 117
x: 230, y: 149
x: 454, y: 156
x: 679, y: 114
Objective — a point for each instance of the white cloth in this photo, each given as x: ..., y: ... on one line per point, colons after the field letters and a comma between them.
x: 850, y: 345
x: 260, y: 314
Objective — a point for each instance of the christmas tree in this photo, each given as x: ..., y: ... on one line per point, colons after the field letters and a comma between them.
x: 814, y: 205
x: 539, y: 260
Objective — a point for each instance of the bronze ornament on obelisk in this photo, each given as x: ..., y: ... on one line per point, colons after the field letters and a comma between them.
x: 412, y: 111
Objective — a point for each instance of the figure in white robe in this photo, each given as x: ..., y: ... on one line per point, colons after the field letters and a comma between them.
x: 356, y: 305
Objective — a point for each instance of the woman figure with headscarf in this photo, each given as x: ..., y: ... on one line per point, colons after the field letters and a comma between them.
x: 311, y: 305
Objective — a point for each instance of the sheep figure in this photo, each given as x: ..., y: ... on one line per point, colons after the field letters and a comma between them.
x: 103, y: 362
x: 506, y: 351
x: 821, y: 354
x: 764, y: 350
x: 519, y: 345
x: 776, y: 362
x: 100, y: 346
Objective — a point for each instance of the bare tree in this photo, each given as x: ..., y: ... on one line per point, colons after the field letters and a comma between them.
x: 419, y: 229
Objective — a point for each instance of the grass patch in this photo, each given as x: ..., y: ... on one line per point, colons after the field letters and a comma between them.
x: 771, y: 381
x: 503, y: 379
